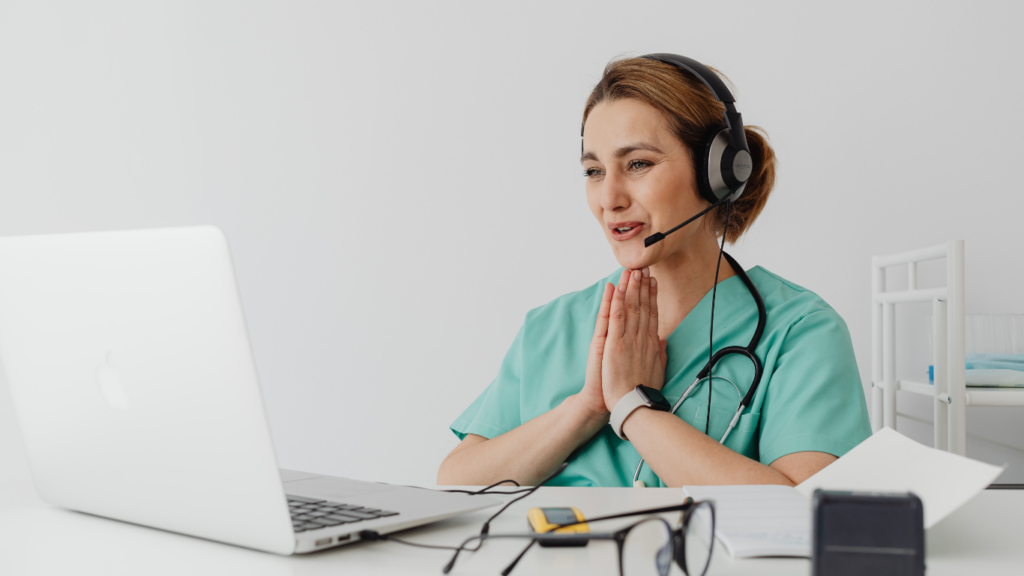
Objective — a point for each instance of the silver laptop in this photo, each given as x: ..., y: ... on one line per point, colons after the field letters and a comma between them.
x: 134, y: 385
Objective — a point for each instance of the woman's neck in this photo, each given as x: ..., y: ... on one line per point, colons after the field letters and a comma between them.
x: 683, y: 280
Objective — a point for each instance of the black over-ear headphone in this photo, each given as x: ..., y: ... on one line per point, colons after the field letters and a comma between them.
x: 727, y: 164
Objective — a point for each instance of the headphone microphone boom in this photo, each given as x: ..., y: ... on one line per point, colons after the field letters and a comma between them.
x: 727, y: 164
x: 659, y: 236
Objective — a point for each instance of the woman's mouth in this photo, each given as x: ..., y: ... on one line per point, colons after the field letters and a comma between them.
x: 625, y: 230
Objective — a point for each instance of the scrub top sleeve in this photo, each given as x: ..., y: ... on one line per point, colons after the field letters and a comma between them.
x: 496, y: 410
x: 814, y: 401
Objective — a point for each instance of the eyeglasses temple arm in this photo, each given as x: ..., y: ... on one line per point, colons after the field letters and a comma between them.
x: 674, y: 508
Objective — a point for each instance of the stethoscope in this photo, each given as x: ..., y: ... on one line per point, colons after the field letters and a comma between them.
x: 748, y: 351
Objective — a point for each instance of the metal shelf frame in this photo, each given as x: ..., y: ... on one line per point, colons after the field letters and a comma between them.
x: 949, y: 390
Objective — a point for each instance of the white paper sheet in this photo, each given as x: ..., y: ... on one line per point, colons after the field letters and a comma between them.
x: 776, y: 520
x: 891, y: 462
x: 759, y: 520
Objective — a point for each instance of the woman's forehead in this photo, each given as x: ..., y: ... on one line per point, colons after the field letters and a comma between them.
x: 612, y: 125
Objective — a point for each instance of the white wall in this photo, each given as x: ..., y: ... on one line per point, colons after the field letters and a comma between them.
x: 400, y: 181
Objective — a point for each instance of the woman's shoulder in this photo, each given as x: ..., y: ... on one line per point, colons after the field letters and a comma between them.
x: 790, y: 302
x: 576, y: 306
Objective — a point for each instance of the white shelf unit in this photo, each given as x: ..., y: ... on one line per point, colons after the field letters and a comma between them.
x: 949, y: 391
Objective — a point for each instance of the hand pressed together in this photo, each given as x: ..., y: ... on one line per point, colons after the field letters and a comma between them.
x: 633, y: 354
x: 625, y: 350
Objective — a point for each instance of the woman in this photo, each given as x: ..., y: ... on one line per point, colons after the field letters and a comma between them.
x: 645, y: 125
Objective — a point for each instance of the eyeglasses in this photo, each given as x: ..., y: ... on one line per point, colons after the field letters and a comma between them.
x: 646, y: 548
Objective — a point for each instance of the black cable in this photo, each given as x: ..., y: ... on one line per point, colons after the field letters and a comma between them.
x: 485, y: 490
x: 487, y: 525
x: 478, y: 493
x: 500, y: 492
x: 475, y: 492
x: 486, y: 528
x: 508, y: 569
x: 372, y: 536
x: 711, y: 331
x: 495, y: 485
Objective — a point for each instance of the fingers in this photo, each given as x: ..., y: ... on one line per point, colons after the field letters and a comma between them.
x: 601, y: 328
x: 652, y: 324
x: 644, y: 317
x: 617, y: 313
x: 632, y: 301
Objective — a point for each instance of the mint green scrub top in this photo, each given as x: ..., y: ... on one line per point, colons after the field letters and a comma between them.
x: 810, y: 396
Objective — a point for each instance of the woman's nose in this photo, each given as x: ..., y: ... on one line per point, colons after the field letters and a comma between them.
x: 614, y: 195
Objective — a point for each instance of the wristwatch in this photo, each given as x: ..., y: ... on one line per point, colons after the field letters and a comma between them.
x: 640, y: 397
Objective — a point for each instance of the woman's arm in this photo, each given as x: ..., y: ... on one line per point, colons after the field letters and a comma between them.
x: 680, y: 454
x: 677, y: 452
x: 526, y: 454
x: 533, y: 450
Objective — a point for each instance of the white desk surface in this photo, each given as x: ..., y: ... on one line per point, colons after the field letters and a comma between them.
x: 986, y: 536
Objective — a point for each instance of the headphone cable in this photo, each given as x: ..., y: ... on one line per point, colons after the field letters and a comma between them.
x: 711, y: 330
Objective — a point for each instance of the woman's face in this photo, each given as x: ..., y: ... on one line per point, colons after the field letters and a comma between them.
x: 640, y: 176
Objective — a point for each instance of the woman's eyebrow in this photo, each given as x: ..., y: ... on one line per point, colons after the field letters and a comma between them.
x: 637, y: 146
x: 622, y: 151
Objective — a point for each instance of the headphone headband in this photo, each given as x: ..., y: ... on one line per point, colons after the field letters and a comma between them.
x: 702, y: 72
x: 719, y: 90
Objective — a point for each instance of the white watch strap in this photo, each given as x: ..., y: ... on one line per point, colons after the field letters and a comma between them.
x: 623, y: 408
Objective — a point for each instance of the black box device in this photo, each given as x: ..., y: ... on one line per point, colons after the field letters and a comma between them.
x: 860, y: 533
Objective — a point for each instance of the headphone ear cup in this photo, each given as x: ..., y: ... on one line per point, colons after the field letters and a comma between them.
x: 709, y: 181
x: 725, y: 169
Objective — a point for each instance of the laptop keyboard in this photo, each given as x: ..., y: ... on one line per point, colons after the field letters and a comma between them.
x: 313, y: 514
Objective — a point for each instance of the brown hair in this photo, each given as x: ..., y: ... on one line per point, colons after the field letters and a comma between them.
x: 693, y: 113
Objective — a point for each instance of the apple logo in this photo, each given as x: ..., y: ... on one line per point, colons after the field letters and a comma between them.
x: 109, y: 379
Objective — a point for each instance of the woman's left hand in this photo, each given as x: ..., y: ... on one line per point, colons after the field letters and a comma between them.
x: 633, y: 354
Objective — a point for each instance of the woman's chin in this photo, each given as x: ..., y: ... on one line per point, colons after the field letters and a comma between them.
x: 632, y: 260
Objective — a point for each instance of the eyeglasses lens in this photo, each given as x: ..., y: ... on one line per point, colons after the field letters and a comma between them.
x: 647, y: 550
x: 699, y: 538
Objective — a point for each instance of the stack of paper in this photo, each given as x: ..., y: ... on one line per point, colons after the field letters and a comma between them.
x: 759, y: 520
x: 776, y: 520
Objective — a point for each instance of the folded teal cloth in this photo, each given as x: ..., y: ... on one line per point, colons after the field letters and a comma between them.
x: 995, y: 362
x: 994, y: 377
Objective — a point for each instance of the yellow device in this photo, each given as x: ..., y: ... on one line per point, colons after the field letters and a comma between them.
x: 544, y: 520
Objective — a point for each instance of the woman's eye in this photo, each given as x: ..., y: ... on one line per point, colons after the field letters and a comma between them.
x: 591, y: 172
x: 639, y: 164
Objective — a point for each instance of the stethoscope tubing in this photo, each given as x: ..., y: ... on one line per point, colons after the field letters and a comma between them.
x: 686, y: 394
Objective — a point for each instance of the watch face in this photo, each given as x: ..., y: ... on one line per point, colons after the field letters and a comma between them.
x: 655, y: 397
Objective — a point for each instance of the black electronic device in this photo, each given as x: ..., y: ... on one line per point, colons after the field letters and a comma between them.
x: 859, y: 533
x: 654, y: 397
x: 544, y: 520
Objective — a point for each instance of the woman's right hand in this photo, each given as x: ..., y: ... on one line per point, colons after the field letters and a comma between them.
x: 591, y: 398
